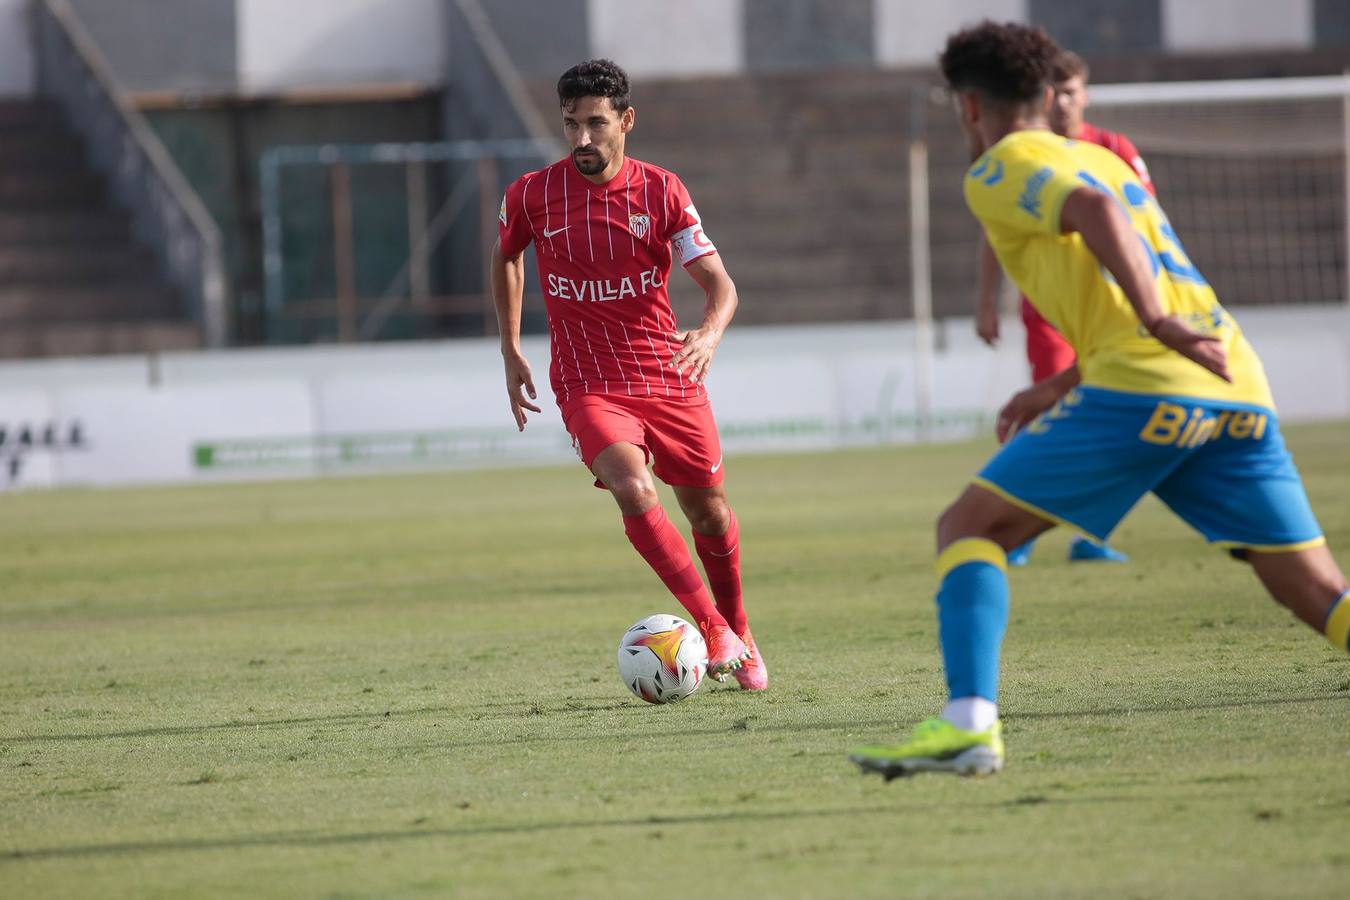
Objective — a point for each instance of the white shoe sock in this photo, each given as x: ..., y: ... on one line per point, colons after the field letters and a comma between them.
x: 971, y: 713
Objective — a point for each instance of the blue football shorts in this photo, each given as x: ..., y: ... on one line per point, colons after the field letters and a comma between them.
x: 1221, y: 467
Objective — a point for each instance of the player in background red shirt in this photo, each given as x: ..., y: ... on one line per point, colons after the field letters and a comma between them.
x: 1047, y: 351
x: 629, y: 383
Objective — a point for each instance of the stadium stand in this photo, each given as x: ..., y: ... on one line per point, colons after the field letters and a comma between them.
x: 72, y: 279
x: 802, y: 179
x: 800, y: 173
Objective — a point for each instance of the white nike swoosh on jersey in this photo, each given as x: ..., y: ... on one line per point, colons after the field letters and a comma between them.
x: 714, y: 469
x: 549, y: 234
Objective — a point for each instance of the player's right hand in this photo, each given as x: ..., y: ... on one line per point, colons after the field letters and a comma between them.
x: 1024, y: 406
x: 986, y: 323
x: 518, y: 376
x: 1204, y: 350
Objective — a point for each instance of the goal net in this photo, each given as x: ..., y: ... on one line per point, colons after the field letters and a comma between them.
x: 1253, y: 176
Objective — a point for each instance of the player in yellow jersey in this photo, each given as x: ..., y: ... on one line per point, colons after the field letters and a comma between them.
x: 1167, y: 396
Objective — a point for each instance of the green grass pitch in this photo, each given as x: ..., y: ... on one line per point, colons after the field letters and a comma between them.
x: 406, y: 687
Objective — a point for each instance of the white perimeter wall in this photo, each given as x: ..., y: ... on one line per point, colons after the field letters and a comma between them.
x: 691, y: 37
x: 1237, y: 24
x: 300, y: 412
x: 913, y: 34
x: 16, y: 49
x: 286, y: 44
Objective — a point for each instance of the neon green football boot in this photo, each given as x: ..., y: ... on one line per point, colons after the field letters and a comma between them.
x: 936, y: 746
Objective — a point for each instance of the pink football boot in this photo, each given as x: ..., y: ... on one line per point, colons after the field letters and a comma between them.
x: 726, y: 652
x: 752, y: 675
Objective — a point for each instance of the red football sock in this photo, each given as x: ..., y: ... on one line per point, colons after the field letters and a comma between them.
x: 721, y: 555
x: 664, y: 549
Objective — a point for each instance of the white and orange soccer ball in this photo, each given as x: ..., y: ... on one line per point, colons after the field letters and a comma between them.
x: 662, y: 659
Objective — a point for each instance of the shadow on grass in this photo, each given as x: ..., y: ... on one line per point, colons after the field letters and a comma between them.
x: 169, y: 730
x: 1174, y: 707
x: 302, y: 839
x: 521, y: 709
x: 568, y: 707
x: 885, y: 729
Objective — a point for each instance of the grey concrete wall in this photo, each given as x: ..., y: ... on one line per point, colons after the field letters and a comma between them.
x: 1331, y: 23
x: 16, y: 49
x: 784, y: 34
x: 165, y: 44
x: 1096, y: 26
x: 544, y: 39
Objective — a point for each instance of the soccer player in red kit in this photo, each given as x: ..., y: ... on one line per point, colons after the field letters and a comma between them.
x: 1047, y: 351
x: 629, y: 383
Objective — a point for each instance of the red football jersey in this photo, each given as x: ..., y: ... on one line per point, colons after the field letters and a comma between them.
x: 1121, y: 146
x: 604, y: 253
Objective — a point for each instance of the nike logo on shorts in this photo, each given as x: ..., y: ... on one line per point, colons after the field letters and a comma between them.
x: 549, y: 234
x: 714, y: 469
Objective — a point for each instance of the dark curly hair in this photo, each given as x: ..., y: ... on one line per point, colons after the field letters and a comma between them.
x: 594, y: 78
x: 1006, y: 62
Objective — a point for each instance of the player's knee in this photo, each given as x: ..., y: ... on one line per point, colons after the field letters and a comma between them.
x: 964, y: 519
x: 712, y: 517
x: 634, y: 494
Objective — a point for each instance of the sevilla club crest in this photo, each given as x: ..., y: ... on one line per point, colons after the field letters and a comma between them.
x: 638, y: 223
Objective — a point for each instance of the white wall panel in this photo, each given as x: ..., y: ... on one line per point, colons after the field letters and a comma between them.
x: 27, y: 457
x: 910, y: 33
x: 1233, y: 24
x: 653, y: 38
x: 307, y: 43
x: 142, y: 435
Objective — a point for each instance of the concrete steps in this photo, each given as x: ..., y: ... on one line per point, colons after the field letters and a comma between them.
x: 50, y: 189
x: 72, y: 279
x: 21, y: 304
x: 55, y: 264
x: 97, y: 338
x: 45, y: 226
x: 802, y: 180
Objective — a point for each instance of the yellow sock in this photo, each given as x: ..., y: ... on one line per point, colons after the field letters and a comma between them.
x: 1337, y: 628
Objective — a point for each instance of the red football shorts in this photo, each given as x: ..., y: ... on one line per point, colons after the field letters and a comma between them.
x: 1047, y: 351
x: 679, y: 437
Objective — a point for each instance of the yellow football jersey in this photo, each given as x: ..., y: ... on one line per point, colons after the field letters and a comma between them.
x: 1017, y: 190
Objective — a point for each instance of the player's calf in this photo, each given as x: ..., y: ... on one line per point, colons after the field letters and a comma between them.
x: 1310, y: 584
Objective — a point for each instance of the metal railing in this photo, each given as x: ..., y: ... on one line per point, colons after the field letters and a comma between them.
x: 479, y: 175
x: 167, y: 215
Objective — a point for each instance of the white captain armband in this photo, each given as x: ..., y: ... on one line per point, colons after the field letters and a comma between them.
x: 690, y: 244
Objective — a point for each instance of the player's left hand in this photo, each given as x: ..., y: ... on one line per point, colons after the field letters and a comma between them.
x: 1023, y: 407
x: 695, y: 357
x: 1205, y: 350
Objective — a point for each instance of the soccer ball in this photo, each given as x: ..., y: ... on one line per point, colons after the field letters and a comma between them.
x: 662, y: 659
